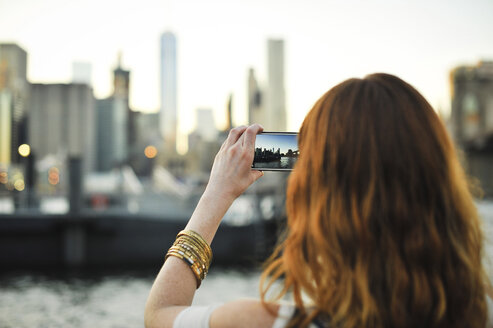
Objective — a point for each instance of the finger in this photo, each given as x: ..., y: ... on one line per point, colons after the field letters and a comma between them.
x: 234, y: 135
x: 256, y: 174
x: 250, y: 135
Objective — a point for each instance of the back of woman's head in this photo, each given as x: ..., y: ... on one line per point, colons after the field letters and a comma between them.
x: 382, y: 229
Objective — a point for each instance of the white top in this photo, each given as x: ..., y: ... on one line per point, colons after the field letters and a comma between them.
x: 199, y: 316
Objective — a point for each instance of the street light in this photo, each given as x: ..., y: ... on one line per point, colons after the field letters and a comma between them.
x: 150, y: 151
x: 24, y: 150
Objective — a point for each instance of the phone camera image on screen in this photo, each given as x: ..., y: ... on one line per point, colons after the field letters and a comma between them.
x: 275, y: 151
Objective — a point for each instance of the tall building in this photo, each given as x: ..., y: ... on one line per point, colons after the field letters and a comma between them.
x: 168, y: 113
x: 147, y: 132
x: 112, y: 118
x: 472, y: 103
x: 61, y: 122
x: 472, y: 119
x: 116, y: 130
x: 14, y: 96
x: 256, y: 112
x: 205, y: 126
x: 121, y: 91
x: 121, y: 81
x: 276, y: 98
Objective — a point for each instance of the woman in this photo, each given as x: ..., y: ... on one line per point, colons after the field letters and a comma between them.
x: 382, y: 229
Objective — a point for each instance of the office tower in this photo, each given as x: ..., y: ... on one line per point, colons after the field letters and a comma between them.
x: 121, y: 93
x: 121, y: 81
x: 472, y: 103
x: 62, y: 122
x: 276, y: 103
x: 82, y: 73
x: 112, y: 120
x: 206, y: 127
x: 168, y: 114
x: 229, y: 113
x: 472, y: 119
x: 14, y: 96
x: 256, y: 112
x: 147, y: 134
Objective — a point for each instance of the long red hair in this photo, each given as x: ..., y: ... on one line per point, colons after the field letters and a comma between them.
x: 382, y: 230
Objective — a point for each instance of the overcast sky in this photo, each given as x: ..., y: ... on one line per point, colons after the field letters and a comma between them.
x: 326, y: 43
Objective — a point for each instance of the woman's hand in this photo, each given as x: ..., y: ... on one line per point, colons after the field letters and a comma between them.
x: 231, y: 173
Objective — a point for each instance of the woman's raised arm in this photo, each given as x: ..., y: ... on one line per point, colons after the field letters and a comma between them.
x: 231, y: 175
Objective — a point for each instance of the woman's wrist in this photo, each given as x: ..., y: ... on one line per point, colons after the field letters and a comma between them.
x: 208, y: 214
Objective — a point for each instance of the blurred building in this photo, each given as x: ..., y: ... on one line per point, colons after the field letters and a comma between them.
x: 472, y: 103
x: 168, y: 112
x: 116, y: 123
x: 276, y: 98
x: 256, y: 112
x: 61, y: 122
x: 472, y: 119
x: 229, y: 113
x: 205, y: 126
x: 147, y: 132
x: 121, y: 91
x: 14, y: 96
x: 203, y: 143
x: 112, y: 120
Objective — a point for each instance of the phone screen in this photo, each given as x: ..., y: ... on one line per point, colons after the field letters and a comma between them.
x: 275, y: 151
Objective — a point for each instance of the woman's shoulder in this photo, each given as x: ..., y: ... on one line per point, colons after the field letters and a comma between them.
x: 289, y: 310
x: 244, y: 313
x: 254, y: 313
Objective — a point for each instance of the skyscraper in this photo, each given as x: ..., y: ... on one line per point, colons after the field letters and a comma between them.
x: 276, y: 98
x: 116, y: 124
x: 168, y: 113
x: 472, y: 103
x: 472, y: 119
x: 14, y: 92
x: 62, y: 122
x: 256, y: 112
x: 112, y: 133
x: 205, y: 125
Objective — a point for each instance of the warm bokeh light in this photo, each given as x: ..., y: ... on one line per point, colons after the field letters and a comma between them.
x: 4, y: 177
x: 150, y: 151
x: 19, y: 185
x: 54, y: 180
x: 53, y: 175
x: 53, y: 171
x: 24, y: 150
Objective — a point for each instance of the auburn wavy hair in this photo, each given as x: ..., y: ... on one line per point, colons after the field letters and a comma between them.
x: 381, y: 229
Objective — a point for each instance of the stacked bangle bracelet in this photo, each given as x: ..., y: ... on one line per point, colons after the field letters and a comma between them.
x: 194, y: 250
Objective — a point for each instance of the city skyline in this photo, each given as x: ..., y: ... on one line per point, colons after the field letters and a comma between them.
x: 420, y: 42
x: 270, y: 141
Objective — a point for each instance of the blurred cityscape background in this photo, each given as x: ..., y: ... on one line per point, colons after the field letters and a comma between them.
x: 111, y: 115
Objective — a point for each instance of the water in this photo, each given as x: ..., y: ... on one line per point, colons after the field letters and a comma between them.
x: 109, y: 302
x: 117, y: 301
x: 284, y: 163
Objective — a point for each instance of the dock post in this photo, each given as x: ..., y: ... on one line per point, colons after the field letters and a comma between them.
x: 74, y: 244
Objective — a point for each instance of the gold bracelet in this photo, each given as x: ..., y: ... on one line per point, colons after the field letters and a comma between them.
x: 199, y: 249
x: 198, y: 238
x: 190, y: 247
x: 204, y: 248
x: 193, y: 266
x: 202, y: 260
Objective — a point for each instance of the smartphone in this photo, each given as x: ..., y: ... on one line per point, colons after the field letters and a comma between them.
x: 275, y: 151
